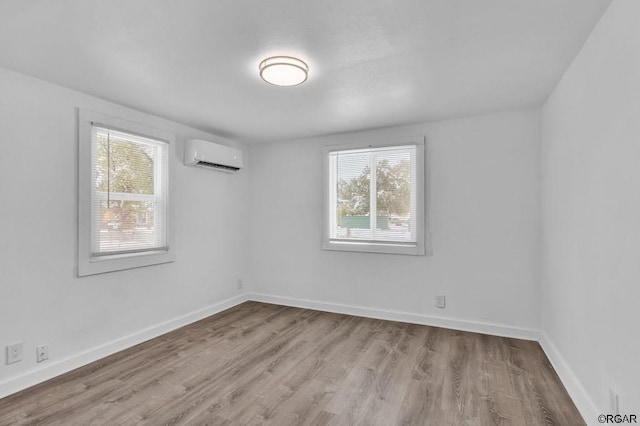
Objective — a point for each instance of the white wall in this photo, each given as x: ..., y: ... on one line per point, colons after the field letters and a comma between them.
x: 41, y: 299
x: 591, y: 214
x: 484, y: 216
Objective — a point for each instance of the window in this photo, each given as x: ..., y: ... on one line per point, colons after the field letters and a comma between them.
x: 124, y: 214
x: 375, y: 198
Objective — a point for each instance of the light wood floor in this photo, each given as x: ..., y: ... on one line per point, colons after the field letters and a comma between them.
x: 267, y: 364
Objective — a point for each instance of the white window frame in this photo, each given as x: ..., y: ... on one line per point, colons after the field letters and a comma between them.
x: 87, y: 263
x: 419, y: 248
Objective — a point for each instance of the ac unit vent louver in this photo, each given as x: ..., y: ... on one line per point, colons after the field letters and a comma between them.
x: 217, y: 166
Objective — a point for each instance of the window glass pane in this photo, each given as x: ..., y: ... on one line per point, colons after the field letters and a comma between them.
x: 129, y: 193
x: 353, y: 196
x: 126, y: 225
x: 393, y: 195
x: 124, y: 165
x: 378, y: 207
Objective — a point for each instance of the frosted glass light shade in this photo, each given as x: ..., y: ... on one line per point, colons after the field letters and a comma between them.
x: 283, y: 71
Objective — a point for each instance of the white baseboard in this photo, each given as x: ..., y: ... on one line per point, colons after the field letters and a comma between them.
x: 574, y: 387
x: 456, y: 324
x: 50, y: 370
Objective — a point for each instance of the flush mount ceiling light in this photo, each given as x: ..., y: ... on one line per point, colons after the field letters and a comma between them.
x: 284, y: 71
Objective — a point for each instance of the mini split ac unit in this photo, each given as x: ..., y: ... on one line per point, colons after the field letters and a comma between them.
x: 212, y: 156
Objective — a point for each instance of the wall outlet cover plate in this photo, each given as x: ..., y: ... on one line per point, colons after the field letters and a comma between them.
x: 14, y: 353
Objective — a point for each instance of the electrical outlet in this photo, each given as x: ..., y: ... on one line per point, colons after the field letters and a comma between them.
x: 14, y: 353
x: 240, y: 284
x: 440, y: 302
x: 42, y: 353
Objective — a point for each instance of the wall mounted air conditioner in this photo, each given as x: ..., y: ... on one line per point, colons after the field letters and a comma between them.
x: 212, y: 156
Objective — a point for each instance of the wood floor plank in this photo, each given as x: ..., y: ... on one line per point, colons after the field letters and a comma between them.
x: 260, y: 364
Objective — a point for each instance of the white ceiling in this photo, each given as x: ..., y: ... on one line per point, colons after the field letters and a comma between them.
x: 373, y: 63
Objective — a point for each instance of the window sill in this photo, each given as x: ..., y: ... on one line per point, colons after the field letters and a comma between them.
x: 368, y: 247
x: 101, y: 265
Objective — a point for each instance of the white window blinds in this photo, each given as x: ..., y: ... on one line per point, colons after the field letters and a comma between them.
x: 372, y: 195
x: 129, y: 193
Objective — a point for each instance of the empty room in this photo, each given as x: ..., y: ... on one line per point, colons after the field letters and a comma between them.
x: 285, y: 212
